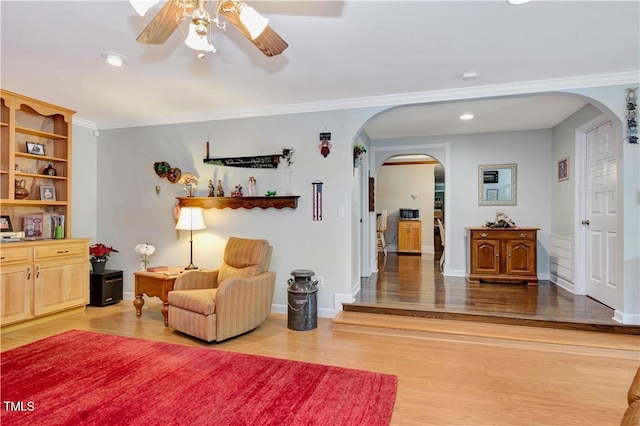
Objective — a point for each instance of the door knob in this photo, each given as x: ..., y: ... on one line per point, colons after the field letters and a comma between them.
x: 585, y: 222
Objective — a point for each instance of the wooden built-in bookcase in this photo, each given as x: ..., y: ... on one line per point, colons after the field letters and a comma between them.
x: 22, y: 120
x: 39, y: 277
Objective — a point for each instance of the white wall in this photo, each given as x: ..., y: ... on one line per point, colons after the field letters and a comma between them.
x: 530, y: 150
x: 85, y: 190
x: 395, y: 185
x: 563, y: 193
x: 130, y: 212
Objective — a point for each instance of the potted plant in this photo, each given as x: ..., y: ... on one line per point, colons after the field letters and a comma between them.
x: 99, y: 254
x: 358, y: 150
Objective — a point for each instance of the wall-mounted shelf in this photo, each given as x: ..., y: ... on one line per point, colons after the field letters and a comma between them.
x: 277, y: 202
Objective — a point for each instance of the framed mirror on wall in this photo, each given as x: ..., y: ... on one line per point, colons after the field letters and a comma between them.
x: 497, y: 184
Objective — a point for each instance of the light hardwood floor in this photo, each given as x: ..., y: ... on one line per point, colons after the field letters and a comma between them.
x: 447, y: 377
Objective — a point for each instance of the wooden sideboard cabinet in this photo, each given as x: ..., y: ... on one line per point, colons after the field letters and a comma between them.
x: 503, y: 255
x: 409, y: 236
x: 38, y: 278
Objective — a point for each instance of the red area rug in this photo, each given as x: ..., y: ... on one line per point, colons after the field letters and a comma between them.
x: 88, y: 378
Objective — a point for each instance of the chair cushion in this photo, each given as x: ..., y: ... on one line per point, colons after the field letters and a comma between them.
x: 201, y: 301
x: 243, y: 258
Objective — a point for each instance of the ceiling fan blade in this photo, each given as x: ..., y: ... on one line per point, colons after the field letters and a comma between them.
x: 162, y: 25
x: 269, y: 42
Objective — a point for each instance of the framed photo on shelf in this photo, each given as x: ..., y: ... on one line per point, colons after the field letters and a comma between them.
x: 5, y: 224
x: 35, y: 148
x: 563, y: 169
x: 47, y: 193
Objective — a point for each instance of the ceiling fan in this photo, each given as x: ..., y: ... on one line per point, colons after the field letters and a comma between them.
x: 250, y: 23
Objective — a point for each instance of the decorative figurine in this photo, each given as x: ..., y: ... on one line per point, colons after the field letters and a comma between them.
x: 190, y: 182
x: 237, y: 192
x: 219, y: 190
x: 211, y: 194
x: 252, y: 186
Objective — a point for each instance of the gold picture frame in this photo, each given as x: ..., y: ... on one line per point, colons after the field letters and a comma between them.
x: 563, y: 169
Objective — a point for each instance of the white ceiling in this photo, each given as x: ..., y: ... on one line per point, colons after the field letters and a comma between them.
x: 342, y: 54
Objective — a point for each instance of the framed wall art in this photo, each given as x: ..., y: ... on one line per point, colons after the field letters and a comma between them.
x: 563, y: 169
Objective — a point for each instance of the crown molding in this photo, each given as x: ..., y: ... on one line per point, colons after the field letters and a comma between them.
x: 91, y: 125
x: 476, y: 92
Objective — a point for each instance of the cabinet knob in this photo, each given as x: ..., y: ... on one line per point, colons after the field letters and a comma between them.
x: 28, y: 272
x: 497, y: 254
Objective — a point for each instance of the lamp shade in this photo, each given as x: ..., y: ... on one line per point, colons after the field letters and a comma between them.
x: 190, y: 219
x: 252, y: 20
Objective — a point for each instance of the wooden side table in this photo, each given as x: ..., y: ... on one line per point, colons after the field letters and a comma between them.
x: 154, y: 284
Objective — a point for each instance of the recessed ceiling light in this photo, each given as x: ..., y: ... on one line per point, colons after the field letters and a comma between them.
x: 115, y: 59
x: 469, y: 75
x: 466, y: 116
x: 517, y: 2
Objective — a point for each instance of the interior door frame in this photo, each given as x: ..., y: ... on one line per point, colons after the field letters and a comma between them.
x: 580, y: 230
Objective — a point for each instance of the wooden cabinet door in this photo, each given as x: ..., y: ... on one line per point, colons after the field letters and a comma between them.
x: 61, y: 284
x: 15, y: 293
x: 409, y: 236
x: 415, y: 237
x: 520, y: 258
x: 485, y: 257
x: 403, y: 236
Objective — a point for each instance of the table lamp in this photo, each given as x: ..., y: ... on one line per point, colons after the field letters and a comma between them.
x: 190, y: 219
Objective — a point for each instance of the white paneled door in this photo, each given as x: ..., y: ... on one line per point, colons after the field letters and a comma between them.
x: 601, y: 218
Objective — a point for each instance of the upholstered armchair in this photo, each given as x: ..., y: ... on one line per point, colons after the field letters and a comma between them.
x: 223, y: 303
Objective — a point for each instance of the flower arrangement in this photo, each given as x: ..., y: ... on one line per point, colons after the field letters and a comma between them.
x: 358, y: 150
x: 287, y: 153
x: 100, y: 252
x: 144, y: 250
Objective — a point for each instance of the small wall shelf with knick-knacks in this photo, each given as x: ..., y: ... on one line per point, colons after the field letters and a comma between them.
x: 264, y: 202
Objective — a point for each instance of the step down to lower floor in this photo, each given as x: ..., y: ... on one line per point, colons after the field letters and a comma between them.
x: 428, y: 328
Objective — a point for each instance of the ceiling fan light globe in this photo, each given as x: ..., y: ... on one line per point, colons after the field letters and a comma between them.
x: 142, y: 6
x: 252, y: 20
x: 197, y: 42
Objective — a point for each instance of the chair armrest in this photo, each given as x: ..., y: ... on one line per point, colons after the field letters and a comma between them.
x: 193, y: 280
x: 242, y: 304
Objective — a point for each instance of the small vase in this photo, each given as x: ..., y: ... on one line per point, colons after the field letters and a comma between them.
x: 98, y: 265
x: 289, y: 191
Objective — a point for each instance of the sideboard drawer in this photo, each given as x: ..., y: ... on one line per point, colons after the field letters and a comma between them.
x: 15, y: 254
x: 59, y: 250
x: 513, y: 234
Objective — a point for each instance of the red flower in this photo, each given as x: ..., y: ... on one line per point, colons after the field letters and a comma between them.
x: 101, y: 251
